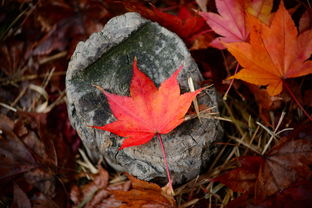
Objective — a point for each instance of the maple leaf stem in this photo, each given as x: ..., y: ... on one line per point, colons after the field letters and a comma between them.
x: 296, y: 100
x: 231, y: 83
x: 165, y: 160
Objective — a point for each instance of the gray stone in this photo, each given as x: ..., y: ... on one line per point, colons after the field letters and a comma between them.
x: 105, y: 59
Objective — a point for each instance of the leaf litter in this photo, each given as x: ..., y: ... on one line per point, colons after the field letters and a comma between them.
x: 131, y: 193
x: 36, y: 50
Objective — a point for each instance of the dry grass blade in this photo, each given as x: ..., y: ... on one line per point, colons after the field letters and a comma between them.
x: 273, y: 134
x: 189, y: 203
x: 8, y: 107
x: 85, y: 162
x: 248, y: 145
x: 195, y: 103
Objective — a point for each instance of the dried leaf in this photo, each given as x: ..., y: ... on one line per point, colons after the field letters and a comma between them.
x: 285, y: 164
x: 92, y: 193
x: 242, y: 179
x: 143, y: 194
x: 99, y: 193
x: 306, y: 21
x: 68, y: 23
x: 15, y: 157
x: 202, y: 41
x: 298, y: 195
x: 264, y: 101
x: 28, y: 157
x: 20, y: 199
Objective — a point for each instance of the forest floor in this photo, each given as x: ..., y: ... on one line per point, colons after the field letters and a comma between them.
x: 264, y: 159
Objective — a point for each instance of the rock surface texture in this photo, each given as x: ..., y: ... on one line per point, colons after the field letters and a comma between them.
x: 105, y: 59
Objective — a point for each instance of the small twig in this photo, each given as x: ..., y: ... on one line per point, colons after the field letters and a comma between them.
x: 52, y: 58
x: 8, y: 80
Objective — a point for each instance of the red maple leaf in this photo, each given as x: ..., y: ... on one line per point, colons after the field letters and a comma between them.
x: 149, y: 110
x: 187, y: 23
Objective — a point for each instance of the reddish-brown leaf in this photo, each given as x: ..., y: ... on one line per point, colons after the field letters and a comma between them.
x: 149, y: 110
x: 264, y: 100
x: 67, y: 23
x: 144, y: 194
x: 306, y: 21
x: 15, y: 157
x: 187, y: 24
x: 95, y: 193
x: 285, y: 164
x: 202, y: 41
x: 243, y: 178
x: 20, y: 199
x: 29, y: 158
x: 134, y: 193
x: 298, y: 195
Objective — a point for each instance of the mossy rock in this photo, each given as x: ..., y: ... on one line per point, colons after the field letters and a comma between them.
x: 105, y: 59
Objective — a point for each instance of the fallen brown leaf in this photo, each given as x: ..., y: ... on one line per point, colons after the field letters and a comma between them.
x: 134, y: 193
x: 262, y: 176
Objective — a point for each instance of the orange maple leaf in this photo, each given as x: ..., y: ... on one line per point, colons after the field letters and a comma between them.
x: 274, y: 53
x: 149, y: 110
